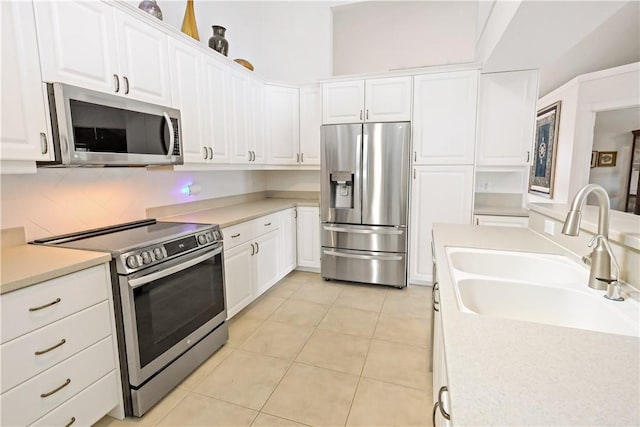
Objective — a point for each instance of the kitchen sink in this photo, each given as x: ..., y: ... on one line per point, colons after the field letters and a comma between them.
x: 548, y: 289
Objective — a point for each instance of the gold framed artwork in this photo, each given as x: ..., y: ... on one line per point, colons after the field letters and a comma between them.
x: 594, y: 159
x: 607, y: 158
x: 542, y: 171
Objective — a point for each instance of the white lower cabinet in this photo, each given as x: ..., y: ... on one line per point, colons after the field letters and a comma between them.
x: 288, y: 243
x: 308, y: 238
x: 60, y: 366
x: 502, y: 221
x: 266, y: 261
x: 238, y: 277
x: 441, y: 406
x: 438, y: 194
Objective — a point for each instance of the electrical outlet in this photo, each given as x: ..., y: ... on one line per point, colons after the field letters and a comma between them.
x: 549, y: 227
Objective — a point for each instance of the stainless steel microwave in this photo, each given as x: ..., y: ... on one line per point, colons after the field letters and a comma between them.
x: 98, y: 129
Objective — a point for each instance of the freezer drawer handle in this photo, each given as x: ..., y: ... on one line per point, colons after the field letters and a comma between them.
x: 368, y: 257
x: 359, y: 231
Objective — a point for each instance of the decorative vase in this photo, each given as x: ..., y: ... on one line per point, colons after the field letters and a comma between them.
x: 189, y: 26
x: 151, y: 7
x: 217, y: 41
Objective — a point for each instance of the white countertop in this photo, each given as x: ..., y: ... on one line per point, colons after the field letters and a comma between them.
x: 507, y: 372
x: 624, y: 228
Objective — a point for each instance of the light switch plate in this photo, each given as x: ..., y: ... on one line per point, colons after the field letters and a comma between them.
x: 549, y: 227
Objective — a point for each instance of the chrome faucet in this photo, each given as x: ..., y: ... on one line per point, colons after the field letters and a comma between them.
x: 601, y: 256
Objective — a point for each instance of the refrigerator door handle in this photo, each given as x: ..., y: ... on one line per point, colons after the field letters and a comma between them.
x: 360, y: 231
x: 366, y: 257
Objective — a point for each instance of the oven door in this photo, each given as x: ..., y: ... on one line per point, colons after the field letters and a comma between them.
x: 170, y: 308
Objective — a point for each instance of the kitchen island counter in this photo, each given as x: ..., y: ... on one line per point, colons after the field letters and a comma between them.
x: 509, y: 372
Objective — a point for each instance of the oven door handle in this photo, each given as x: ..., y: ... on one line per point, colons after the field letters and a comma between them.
x: 140, y: 281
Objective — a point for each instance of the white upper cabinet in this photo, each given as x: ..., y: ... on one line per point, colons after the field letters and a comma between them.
x: 310, y: 122
x: 283, y: 126
x: 144, y: 63
x: 343, y: 102
x: 388, y: 100
x: 93, y: 45
x: 239, y: 118
x: 257, y: 126
x: 444, y: 118
x: 24, y: 129
x: 187, y: 96
x: 375, y: 100
x: 216, y: 83
x: 506, y: 118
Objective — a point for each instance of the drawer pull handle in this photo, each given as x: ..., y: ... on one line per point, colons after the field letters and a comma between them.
x: 71, y: 421
x: 267, y: 224
x: 40, y: 352
x: 235, y: 235
x: 46, y: 305
x: 66, y: 383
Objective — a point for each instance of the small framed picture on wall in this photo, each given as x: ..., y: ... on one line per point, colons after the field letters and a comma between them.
x: 543, y: 165
x: 594, y: 159
x: 607, y: 158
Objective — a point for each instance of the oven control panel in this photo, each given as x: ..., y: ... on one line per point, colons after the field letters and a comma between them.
x: 139, y: 259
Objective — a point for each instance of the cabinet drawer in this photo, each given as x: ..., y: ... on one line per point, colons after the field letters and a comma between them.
x: 31, y: 308
x: 237, y: 234
x: 87, y: 407
x: 19, y: 360
x: 31, y: 400
x: 265, y: 224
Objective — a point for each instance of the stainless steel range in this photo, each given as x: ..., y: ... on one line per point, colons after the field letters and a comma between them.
x: 168, y: 285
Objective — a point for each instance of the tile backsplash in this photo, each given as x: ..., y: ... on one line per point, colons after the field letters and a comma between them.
x: 58, y: 201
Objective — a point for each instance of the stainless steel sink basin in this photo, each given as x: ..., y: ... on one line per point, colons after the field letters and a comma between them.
x: 548, y: 289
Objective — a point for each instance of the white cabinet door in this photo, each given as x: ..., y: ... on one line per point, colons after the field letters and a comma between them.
x: 257, y: 126
x: 78, y: 44
x: 239, y: 118
x: 308, y: 237
x: 186, y: 92
x: 506, y: 118
x: 283, y: 134
x: 444, y: 118
x: 388, y: 99
x: 287, y: 235
x: 310, y: 122
x: 144, y: 60
x: 267, y: 265
x: 438, y: 194
x: 216, y: 83
x: 343, y: 102
x: 24, y: 132
x: 238, y: 272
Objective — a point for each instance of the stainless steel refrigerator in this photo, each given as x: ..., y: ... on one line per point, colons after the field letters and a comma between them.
x: 364, y: 202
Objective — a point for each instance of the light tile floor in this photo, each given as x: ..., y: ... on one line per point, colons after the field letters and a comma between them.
x: 310, y: 352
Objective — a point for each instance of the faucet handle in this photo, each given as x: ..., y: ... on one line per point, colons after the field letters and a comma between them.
x: 613, y: 291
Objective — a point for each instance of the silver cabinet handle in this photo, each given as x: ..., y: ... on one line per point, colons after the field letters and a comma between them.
x: 126, y: 85
x: 414, y: 173
x: 116, y: 83
x: 249, y: 154
x: 528, y: 156
x: 57, y: 389
x: 71, y: 421
x: 367, y: 115
x: 205, y: 153
x: 302, y: 157
x: 172, y: 136
x: 360, y: 114
x: 364, y: 257
x: 235, y: 235
x: 267, y: 224
x: 433, y: 414
x: 415, y: 156
x: 53, y: 347
x: 49, y: 304
x: 359, y: 231
x: 210, y: 150
x: 43, y: 141
x: 298, y: 158
x: 257, y: 247
x: 444, y: 413
x: 253, y: 250
x: 434, y: 289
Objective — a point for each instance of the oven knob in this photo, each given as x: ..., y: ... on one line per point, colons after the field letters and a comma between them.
x: 158, y: 253
x: 132, y: 261
x: 146, y: 257
x: 202, y: 239
x: 209, y: 236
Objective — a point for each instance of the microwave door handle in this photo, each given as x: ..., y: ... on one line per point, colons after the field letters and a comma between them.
x: 140, y: 281
x: 172, y: 136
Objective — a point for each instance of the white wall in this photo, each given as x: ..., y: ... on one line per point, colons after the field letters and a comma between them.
x: 58, y: 201
x: 288, y: 41
x: 581, y: 98
x: 613, y: 133
x: 380, y: 36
